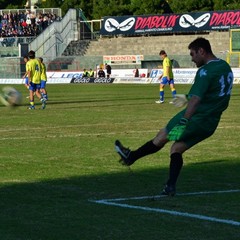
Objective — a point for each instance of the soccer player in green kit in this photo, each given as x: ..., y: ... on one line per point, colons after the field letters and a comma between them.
x: 208, y: 97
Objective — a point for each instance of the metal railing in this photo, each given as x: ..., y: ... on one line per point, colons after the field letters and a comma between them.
x: 54, y: 39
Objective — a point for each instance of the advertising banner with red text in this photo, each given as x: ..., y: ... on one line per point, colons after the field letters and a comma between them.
x: 171, y: 23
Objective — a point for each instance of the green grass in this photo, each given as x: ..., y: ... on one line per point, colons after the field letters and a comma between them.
x: 53, y: 161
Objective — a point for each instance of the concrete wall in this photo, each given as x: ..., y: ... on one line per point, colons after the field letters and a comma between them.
x: 151, y: 45
x: 176, y: 47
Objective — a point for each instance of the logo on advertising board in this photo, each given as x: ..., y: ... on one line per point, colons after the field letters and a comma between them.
x: 64, y: 74
x: 112, y: 24
x: 115, y: 59
x: 187, y: 20
x: 92, y: 80
x: 155, y: 73
x: 196, y: 21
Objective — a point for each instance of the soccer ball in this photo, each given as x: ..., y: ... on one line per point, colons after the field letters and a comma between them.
x: 10, y: 97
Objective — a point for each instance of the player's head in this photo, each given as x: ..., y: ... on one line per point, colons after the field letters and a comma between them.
x: 31, y: 54
x: 162, y: 54
x: 200, y: 43
x: 41, y: 59
x: 200, y: 50
x: 25, y: 59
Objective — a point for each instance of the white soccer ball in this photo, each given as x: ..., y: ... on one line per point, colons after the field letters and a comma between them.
x: 10, y: 97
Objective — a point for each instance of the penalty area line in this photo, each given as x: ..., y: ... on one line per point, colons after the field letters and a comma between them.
x: 117, y: 202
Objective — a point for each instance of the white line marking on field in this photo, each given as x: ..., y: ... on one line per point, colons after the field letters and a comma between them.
x: 115, y: 202
x: 23, y: 128
x: 60, y: 135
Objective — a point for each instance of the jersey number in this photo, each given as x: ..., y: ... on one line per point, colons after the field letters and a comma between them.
x: 226, y: 90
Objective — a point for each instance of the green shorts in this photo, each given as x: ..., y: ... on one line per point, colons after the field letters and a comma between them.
x: 198, y: 128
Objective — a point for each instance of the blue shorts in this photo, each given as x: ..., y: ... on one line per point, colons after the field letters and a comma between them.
x: 26, y: 80
x: 43, y: 84
x: 165, y: 81
x: 34, y: 86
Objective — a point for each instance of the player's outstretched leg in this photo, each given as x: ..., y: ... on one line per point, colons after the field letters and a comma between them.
x: 128, y: 157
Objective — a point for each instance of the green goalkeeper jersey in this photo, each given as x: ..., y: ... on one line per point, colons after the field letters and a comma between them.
x: 213, y: 84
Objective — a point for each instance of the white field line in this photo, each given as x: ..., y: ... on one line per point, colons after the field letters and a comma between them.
x: 115, y: 202
x: 87, y: 125
x: 71, y: 126
x: 54, y: 135
x: 74, y: 135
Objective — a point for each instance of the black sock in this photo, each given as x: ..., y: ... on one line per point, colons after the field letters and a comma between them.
x: 146, y: 149
x: 175, y: 168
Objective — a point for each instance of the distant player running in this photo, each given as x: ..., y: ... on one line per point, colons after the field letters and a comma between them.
x: 207, y: 99
x: 166, y: 77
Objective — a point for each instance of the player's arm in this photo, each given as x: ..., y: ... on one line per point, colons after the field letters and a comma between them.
x: 192, y: 106
x: 25, y: 75
x: 28, y: 72
x: 29, y: 76
x: 167, y: 73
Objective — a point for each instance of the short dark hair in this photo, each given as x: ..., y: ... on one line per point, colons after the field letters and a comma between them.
x: 200, y: 42
x: 162, y: 52
x: 31, y: 54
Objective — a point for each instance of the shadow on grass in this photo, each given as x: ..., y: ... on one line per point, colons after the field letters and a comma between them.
x: 60, y: 209
x: 89, y: 101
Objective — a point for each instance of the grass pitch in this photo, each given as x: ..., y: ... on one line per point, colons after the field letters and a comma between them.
x: 55, y: 163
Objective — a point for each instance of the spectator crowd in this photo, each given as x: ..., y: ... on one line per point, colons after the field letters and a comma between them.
x: 23, y: 24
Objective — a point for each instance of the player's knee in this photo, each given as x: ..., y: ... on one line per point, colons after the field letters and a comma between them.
x: 161, y: 139
x: 178, y: 147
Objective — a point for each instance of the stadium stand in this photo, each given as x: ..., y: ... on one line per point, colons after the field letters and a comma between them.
x: 17, y: 23
x: 87, y: 53
x: 78, y: 48
x: 21, y: 26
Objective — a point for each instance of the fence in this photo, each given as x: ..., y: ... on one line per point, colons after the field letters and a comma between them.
x: 54, y: 40
x: 14, y: 67
x: 233, y: 58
